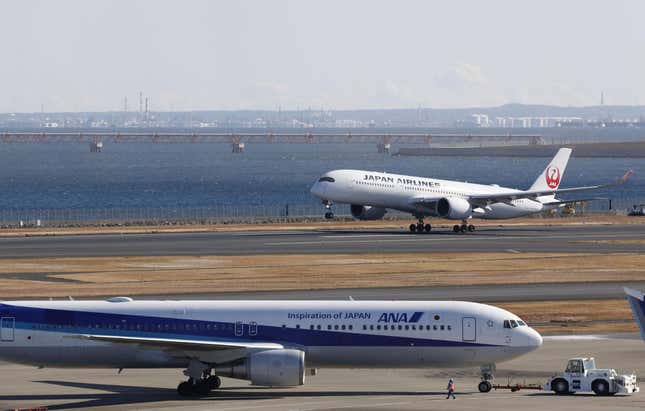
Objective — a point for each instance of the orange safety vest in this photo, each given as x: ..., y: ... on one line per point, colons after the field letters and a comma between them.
x: 451, y: 386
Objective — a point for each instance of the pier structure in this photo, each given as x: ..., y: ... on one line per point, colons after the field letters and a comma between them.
x: 96, y: 139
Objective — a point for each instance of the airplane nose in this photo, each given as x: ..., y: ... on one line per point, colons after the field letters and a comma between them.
x: 317, y: 190
x: 534, y: 338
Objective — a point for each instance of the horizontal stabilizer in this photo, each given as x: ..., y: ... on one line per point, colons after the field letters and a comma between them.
x: 482, y: 199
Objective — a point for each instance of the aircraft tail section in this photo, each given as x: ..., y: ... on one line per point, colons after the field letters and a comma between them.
x: 552, y: 174
x: 636, y: 301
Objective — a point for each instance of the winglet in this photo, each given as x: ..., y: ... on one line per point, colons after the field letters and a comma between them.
x: 626, y: 177
x: 636, y: 301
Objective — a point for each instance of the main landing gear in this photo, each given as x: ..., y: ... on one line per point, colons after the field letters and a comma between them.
x: 420, y: 227
x: 200, y: 381
x: 464, y: 227
x: 328, y: 213
x: 487, y: 376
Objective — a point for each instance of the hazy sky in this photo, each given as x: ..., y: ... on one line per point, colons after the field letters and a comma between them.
x: 189, y: 55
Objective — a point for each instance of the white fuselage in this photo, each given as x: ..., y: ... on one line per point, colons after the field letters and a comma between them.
x: 398, y: 192
x: 331, y: 333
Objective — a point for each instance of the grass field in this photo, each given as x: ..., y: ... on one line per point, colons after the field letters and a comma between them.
x: 109, y: 276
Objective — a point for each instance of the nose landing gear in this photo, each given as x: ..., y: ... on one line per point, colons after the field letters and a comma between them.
x: 328, y: 213
x: 487, y: 375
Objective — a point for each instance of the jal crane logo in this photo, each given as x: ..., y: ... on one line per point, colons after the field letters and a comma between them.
x: 552, y: 176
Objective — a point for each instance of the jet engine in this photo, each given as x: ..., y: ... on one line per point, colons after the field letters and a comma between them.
x: 367, y: 212
x: 272, y: 368
x: 454, y: 208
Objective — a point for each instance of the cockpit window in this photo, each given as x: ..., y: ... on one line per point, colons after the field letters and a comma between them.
x: 507, y: 324
x: 521, y: 323
x: 328, y: 179
x: 514, y: 324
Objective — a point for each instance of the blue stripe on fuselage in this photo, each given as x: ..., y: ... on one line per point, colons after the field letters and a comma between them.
x: 415, y: 317
x: 97, y: 323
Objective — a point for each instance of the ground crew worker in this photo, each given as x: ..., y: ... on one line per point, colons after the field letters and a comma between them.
x: 451, y: 389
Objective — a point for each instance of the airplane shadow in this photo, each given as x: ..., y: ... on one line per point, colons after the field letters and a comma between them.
x: 115, y: 395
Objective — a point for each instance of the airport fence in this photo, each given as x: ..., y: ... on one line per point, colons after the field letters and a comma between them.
x: 221, y: 214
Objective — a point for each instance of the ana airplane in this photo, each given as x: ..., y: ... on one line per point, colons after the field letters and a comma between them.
x: 269, y: 343
x: 636, y: 301
x: 371, y: 193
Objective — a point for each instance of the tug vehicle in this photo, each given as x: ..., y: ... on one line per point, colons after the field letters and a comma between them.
x: 581, y: 375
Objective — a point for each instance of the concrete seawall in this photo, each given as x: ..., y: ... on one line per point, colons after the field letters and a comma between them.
x: 632, y: 149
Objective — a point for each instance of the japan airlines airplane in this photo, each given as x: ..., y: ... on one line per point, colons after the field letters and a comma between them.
x: 371, y: 193
x: 636, y: 301
x: 269, y: 343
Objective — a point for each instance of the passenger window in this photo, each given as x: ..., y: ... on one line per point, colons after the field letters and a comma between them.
x: 442, y: 328
x: 329, y: 327
x: 336, y: 327
x: 342, y: 327
x: 378, y: 327
x: 318, y: 326
x: 400, y: 327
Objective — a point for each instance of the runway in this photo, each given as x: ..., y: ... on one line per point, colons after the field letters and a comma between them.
x: 332, y: 389
x: 588, y: 238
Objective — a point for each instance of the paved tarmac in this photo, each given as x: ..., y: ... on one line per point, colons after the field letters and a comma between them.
x: 333, y: 389
x: 590, y: 238
x: 480, y: 293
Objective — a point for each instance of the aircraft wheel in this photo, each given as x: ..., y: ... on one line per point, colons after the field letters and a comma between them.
x: 560, y: 386
x: 202, y: 388
x: 428, y: 227
x: 413, y: 228
x: 214, y: 382
x: 420, y: 228
x: 484, y: 386
x: 185, y: 389
x: 463, y: 228
x: 455, y: 228
x: 329, y: 215
x: 471, y: 228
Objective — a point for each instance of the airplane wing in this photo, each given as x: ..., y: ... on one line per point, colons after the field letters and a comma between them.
x: 575, y: 200
x: 636, y: 301
x: 178, y: 344
x: 485, y: 199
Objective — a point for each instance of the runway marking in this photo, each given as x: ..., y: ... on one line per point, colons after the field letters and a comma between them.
x: 459, y: 238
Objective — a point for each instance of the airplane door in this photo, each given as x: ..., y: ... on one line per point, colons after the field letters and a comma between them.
x: 7, y: 325
x: 239, y: 328
x: 468, y: 329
